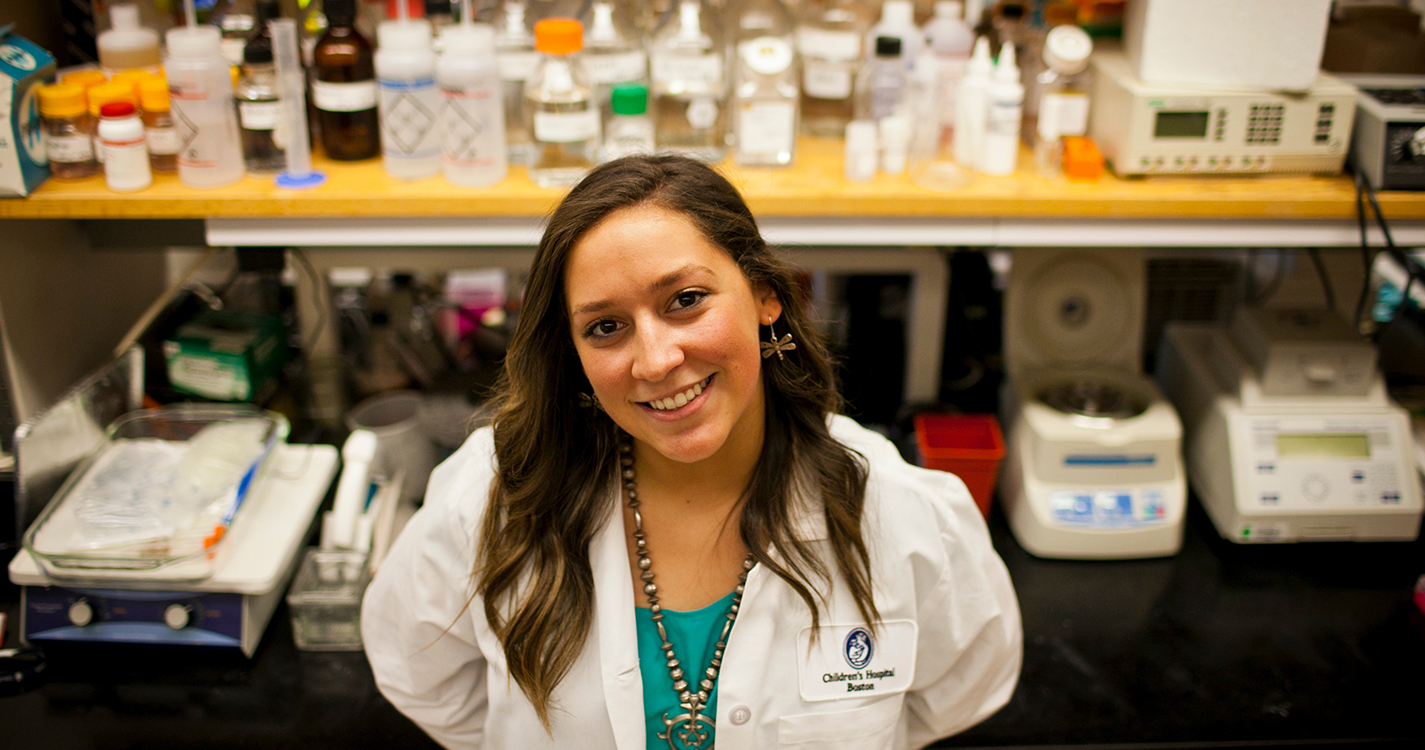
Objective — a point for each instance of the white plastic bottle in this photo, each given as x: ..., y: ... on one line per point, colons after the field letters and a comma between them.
x: 971, y: 98
x: 950, y: 41
x: 121, y: 133
x: 409, y: 103
x: 473, y: 118
x: 898, y: 20
x: 861, y: 151
x: 200, y: 81
x: 127, y: 44
x: 1002, y: 117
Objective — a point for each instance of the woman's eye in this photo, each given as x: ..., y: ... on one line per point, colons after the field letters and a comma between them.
x: 688, y: 299
x: 601, y: 329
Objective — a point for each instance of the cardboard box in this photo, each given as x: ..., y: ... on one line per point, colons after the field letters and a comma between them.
x: 24, y: 66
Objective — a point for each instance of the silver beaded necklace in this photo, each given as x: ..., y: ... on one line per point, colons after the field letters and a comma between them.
x: 692, y: 729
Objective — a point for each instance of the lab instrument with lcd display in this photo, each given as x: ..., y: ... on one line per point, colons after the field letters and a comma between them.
x: 1289, y: 434
x: 1154, y: 128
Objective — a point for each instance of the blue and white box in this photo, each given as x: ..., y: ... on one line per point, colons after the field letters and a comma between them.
x: 24, y: 66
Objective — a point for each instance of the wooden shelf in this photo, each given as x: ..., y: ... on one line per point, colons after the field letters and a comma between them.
x: 813, y: 187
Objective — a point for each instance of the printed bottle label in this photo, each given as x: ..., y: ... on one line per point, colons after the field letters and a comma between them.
x: 471, y: 127
x: 162, y: 141
x: 844, y: 46
x: 767, y: 128
x: 1071, y: 112
x: 826, y: 80
x: 1003, y: 120
x: 616, y: 68
x: 768, y: 55
x: 70, y: 148
x: 693, y: 72
x: 259, y: 115
x: 409, y: 112
x: 566, y: 127
x: 344, y: 97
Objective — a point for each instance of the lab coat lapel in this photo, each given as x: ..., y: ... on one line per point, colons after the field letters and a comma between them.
x: 617, y: 632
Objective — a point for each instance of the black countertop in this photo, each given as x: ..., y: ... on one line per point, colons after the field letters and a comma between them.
x: 1220, y: 645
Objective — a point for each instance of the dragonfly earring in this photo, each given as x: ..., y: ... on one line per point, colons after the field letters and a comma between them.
x: 775, y: 345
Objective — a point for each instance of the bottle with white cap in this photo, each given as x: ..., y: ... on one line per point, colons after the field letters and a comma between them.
x: 1063, y: 96
x: 408, y: 101
x: 201, y: 83
x: 473, y: 118
x: 971, y: 103
x: 127, y: 44
x: 1000, y: 152
x: 898, y: 20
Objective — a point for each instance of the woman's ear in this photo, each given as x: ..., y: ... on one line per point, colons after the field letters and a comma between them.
x: 769, y: 305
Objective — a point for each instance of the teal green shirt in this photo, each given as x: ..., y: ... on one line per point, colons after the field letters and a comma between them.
x: 694, y: 637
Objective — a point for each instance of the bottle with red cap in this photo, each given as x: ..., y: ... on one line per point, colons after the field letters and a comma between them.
x: 559, y: 106
x: 121, y: 134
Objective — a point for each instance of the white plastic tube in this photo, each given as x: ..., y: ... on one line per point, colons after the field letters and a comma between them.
x: 357, y: 453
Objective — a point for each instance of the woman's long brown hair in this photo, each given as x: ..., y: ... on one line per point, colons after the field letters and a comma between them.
x: 556, y: 459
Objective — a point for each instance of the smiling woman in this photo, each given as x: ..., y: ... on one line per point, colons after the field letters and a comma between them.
x: 705, y: 554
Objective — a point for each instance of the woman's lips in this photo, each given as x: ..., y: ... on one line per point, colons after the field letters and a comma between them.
x: 680, y: 403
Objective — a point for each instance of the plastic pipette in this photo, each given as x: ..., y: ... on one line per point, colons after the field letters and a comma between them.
x: 292, y: 83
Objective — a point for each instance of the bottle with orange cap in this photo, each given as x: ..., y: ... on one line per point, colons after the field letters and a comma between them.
x: 69, y: 131
x: 160, y: 131
x: 559, y: 106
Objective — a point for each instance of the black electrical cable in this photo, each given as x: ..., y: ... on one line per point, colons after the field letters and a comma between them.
x: 21, y: 670
x: 1412, y: 267
x: 1368, y: 256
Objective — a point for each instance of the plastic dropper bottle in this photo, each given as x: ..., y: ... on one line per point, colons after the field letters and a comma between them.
x: 559, y: 107
x: 409, y: 100
x: 127, y: 44
x: 971, y: 103
x: 201, y: 83
x: 473, y: 118
x: 1002, y: 118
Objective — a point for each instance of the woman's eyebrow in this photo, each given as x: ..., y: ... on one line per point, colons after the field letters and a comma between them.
x: 666, y: 280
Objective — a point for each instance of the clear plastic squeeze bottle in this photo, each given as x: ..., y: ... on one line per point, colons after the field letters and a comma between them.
x: 200, y: 84
x: 473, y: 118
x: 409, y: 101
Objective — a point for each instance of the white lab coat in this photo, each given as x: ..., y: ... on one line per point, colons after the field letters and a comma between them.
x: 437, y: 660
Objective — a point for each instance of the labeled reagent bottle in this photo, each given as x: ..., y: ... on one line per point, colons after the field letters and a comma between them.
x: 473, y: 116
x: 409, y: 102
x: 564, y: 120
x: 69, y: 131
x: 259, y: 101
x: 689, y: 73
x: 344, y: 87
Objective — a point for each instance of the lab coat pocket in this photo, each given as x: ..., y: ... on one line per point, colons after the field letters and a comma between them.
x: 871, y: 727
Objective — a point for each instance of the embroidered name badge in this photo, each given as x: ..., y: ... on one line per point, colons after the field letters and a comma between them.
x: 849, y: 661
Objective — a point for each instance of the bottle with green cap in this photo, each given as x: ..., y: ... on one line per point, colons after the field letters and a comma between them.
x: 630, y: 129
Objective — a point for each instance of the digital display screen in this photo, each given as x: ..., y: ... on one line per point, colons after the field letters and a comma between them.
x: 1180, y: 125
x: 1324, y: 445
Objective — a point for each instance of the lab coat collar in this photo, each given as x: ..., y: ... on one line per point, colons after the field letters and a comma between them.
x: 617, y: 630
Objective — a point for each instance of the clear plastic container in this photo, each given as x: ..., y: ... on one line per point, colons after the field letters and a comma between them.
x: 409, y: 102
x: 161, y: 490
x: 473, y: 119
x: 325, y: 600
x: 201, y: 83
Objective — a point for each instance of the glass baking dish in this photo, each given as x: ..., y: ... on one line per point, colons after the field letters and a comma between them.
x: 162, y: 489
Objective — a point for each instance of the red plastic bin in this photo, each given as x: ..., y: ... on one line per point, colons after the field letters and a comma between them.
x: 969, y: 446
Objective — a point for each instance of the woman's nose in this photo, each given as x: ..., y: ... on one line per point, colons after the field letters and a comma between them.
x: 657, y: 352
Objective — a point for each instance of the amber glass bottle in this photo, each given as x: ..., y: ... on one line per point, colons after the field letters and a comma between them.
x: 344, y: 87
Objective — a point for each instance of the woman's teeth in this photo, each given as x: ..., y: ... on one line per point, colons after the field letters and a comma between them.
x: 680, y: 399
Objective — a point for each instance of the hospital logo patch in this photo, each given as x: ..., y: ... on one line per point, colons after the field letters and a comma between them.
x: 858, y: 648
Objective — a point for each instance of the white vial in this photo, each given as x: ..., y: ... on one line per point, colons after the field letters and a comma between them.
x: 472, y: 122
x: 121, y: 134
x: 1002, y: 119
x: 409, y: 103
x: 201, y: 85
x: 860, y: 150
x: 895, y: 143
